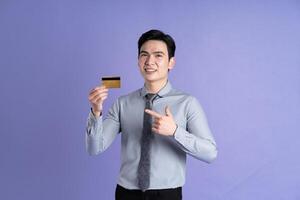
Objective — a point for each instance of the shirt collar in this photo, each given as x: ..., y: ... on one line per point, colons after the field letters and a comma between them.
x: 165, y: 90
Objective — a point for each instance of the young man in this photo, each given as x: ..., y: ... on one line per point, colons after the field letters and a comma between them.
x: 160, y: 126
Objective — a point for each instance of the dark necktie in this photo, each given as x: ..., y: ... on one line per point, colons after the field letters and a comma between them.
x: 147, y: 136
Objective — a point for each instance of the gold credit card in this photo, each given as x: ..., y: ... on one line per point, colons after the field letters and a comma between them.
x: 111, y: 81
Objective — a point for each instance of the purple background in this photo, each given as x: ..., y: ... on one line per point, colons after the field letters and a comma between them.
x: 240, y: 59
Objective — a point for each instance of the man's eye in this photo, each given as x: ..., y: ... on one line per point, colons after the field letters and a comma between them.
x: 158, y: 55
x: 143, y: 55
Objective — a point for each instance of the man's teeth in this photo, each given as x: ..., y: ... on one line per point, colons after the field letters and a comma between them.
x: 150, y: 70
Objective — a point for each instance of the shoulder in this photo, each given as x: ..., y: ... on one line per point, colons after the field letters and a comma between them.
x: 184, y: 95
x: 129, y: 96
x: 191, y: 102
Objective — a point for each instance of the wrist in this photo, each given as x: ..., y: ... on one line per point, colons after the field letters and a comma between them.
x: 96, y: 113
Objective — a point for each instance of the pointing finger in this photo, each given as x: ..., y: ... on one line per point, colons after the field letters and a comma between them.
x: 152, y: 113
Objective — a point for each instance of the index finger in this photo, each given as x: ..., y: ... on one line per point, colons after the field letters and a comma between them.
x: 153, y: 113
x: 103, y: 88
x: 100, y: 87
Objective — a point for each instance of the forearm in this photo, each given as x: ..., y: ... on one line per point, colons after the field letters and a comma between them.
x: 100, y: 132
x: 204, y: 149
x: 94, y: 136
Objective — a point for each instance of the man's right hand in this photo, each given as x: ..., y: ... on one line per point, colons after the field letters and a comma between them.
x: 96, y: 98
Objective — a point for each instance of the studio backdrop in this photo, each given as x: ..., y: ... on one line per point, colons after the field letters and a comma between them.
x: 240, y: 59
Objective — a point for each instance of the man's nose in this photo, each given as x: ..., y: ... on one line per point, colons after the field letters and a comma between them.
x: 150, y: 60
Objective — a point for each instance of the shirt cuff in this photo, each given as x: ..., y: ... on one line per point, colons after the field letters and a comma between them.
x: 93, y: 121
x: 94, y: 113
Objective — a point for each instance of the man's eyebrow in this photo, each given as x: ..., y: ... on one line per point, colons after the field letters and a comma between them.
x: 144, y: 52
x: 155, y: 52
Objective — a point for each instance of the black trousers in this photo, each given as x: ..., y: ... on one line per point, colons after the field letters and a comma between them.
x: 163, y: 194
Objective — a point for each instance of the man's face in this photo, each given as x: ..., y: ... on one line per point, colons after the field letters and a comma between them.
x: 154, y: 61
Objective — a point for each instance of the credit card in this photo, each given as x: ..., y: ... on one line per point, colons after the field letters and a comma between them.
x: 111, y: 81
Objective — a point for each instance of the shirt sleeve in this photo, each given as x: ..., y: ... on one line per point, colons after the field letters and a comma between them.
x: 101, y: 133
x: 196, y: 139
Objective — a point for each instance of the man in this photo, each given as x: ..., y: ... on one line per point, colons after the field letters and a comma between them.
x: 159, y: 126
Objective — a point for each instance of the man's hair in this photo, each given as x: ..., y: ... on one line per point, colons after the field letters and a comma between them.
x: 161, y: 36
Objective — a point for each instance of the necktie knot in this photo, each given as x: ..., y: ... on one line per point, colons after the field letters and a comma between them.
x: 150, y: 97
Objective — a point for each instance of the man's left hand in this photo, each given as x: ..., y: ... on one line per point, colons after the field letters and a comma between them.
x: 163, y: 124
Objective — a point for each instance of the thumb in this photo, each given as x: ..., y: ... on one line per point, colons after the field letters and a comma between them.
x: 168, y: 111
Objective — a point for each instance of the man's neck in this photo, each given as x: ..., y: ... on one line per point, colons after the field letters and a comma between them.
x: 155, y: 87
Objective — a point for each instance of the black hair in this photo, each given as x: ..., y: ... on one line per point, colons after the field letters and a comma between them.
x: 161, y: 36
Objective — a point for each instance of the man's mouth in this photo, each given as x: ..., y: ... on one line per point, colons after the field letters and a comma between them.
x: 150, y: 70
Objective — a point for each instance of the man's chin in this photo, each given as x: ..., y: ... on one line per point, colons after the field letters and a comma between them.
x: 150, y: 80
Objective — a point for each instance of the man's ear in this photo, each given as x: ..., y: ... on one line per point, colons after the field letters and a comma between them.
x: 171, y: 63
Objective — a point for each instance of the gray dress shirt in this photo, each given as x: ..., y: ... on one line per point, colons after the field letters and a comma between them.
x: 168, y: 153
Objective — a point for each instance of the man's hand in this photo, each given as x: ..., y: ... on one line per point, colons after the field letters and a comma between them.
x: 96, y: 98
x: 163, y: 124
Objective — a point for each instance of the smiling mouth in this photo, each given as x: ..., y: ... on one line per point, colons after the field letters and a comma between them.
x: 150, y: 70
